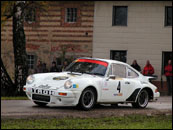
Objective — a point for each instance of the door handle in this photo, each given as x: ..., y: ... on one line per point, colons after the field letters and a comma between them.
x: 127, y: 82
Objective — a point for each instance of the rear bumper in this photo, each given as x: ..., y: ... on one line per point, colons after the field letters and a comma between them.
x: 156, y: 96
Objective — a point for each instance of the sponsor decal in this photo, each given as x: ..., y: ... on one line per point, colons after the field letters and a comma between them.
x: 42, y: 91
x: 44, y: 86
x: 60, y: 78
x: 118, y: 78
x: 118, y: 94
x: 105, y: 89
x: 75, y: 86
x: 119, y: 89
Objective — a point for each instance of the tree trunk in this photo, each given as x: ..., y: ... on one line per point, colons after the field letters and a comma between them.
x: 7, y: 86
x: 19, y: 46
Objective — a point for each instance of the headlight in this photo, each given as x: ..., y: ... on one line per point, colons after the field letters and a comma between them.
x: 68, y: 84
x: 30, y: 79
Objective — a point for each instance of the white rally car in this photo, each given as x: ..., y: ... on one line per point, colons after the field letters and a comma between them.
x: 90, y: 81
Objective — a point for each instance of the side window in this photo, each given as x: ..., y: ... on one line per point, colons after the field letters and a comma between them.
x: 110, y: 70
x: 131, y: 73
x: 119, y: 70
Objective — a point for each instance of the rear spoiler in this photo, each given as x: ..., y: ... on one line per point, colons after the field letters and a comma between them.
x: 152, y: 77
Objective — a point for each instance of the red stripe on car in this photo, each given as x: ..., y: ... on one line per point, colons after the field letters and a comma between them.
x: 93, y: 61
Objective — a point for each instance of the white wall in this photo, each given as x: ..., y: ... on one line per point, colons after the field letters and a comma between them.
x: 144, y: 37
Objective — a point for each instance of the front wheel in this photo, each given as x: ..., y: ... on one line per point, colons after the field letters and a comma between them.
x: 87, y: 99
x: 142, y: 100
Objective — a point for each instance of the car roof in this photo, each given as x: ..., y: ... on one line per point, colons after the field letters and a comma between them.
x: 105, y: 60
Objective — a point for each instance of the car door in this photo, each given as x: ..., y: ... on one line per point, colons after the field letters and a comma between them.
x: 112, y: 88
x: 130, y: 83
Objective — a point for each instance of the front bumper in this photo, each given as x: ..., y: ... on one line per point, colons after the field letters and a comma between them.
x: 60, y: 97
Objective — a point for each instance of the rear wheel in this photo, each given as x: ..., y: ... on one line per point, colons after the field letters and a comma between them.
x: 87, y: 99
x: 142, y: 100
x: 40, y: 103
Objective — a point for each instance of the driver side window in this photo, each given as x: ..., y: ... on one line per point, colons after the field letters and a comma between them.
x: 118, y: 70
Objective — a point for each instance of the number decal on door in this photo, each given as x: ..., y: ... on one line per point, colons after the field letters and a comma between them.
x: 119, y: 86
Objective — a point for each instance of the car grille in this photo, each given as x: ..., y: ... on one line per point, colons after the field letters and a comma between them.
x: 41, y: 98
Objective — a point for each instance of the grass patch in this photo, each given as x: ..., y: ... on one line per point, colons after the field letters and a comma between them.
x: 127, y: 122
x: 14, y: 98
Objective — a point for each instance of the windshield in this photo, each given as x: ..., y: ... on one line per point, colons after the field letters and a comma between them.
x: 88, y: 66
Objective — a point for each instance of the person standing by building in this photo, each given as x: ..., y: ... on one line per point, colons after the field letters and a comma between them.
x: 148, y: 69
x: 45, y: 70
x: 54, y: 68
x: 168, y: 74
x: 39, y: 67
x: 136, y: 66
x: 65, y: 64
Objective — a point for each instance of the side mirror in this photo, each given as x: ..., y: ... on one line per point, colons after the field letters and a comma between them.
x: 111, y: 77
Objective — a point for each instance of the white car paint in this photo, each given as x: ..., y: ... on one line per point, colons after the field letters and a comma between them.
x: 106, y: 88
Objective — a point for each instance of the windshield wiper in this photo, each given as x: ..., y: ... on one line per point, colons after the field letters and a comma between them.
x: 74, y: 73
x: 98, y: 74
x: 93, y: 73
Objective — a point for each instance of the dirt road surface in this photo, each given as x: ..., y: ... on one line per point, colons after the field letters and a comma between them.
x: 27, y: 109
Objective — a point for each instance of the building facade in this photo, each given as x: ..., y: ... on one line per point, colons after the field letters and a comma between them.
x: 65, y: 27
x: 134, y: 30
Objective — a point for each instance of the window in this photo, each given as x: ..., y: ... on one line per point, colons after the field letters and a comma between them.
x: 119, y: 16
x: 118, y: 70
x: 31, y: 61
x: 71, y: 15
x: 30, y: 15
x: 168, y: 16
x: 131, y: 73
x: 118, y: 55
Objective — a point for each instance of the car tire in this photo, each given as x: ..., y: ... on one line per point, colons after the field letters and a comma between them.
x: 40, y: 104
x: 87, y: 99
x: 142, y: 101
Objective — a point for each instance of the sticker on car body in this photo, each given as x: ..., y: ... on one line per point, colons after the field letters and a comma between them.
x: 42, y: 91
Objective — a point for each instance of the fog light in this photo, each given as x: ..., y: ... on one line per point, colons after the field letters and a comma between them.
x: 63, y: 94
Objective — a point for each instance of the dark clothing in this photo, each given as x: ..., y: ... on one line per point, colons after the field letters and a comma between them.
x: 45, y: 70
x: 137, y: 67
x: 169, y: 84
x: 54, y: 69
x: 39, y: 69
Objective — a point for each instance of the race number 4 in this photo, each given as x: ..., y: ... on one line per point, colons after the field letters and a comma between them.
x: 119, y: 87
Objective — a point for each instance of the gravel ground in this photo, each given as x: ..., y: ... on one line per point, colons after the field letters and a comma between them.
x: 27, y: 109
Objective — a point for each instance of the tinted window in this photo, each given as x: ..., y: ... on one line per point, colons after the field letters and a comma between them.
x: 168, y: 16
x: 118, y: 55
x: 88, y: 66
x: 119, y: 15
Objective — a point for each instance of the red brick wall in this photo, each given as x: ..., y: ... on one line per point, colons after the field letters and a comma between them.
x: 45, y: 36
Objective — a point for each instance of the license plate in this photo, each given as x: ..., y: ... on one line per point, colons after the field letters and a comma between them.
x: 42, y: 91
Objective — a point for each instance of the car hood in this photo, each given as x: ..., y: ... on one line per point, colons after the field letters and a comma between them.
x: 57, y: 80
